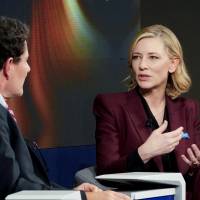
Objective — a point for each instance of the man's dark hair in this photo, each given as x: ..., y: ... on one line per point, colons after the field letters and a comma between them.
x: 13, y: 34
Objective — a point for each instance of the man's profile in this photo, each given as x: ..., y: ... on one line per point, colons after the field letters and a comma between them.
x: 20, y: 168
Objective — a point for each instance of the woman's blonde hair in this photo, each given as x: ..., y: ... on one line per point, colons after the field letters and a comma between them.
x: 178, y: 81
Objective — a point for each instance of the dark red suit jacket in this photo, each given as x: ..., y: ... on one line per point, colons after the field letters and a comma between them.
x: 120, y: 130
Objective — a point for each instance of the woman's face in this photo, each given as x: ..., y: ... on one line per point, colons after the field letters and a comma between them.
x: 151, y: 63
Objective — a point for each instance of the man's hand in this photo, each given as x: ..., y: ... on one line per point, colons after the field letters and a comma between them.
x: 87, y: 187
x: 106, y: 195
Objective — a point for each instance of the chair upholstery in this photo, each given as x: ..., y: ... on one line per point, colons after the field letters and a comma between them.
x: 88, y: 175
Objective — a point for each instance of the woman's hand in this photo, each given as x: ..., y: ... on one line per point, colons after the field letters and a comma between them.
x: 159, y: 143
x: 87, y: 187
x: 193, y: 156
x: 106, y: 195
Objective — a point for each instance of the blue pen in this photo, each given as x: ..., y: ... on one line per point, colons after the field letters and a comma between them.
x: 185, y: 135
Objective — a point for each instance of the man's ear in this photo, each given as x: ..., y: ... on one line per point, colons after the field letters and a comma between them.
x: 175, y: 62
x: 8, y: 67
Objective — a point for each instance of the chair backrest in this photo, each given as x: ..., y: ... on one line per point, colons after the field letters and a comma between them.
x: 64, y: 162
x: 88, y: 175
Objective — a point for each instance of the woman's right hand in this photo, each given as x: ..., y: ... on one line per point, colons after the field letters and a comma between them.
x: 159, y: 143
x: 106, y: 195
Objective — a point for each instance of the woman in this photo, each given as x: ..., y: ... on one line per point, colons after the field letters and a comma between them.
x: 141, y: 130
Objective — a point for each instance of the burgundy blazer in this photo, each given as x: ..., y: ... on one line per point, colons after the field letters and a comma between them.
x: 120, y: 129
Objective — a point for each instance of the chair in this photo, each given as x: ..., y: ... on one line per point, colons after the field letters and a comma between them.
x: 87, y: 175
x: 64, y: 162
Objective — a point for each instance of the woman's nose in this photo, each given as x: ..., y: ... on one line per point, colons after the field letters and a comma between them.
x: 143, y: 64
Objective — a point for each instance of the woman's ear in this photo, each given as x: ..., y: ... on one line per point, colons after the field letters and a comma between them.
x: 8, y: 67
x: 175, y: 62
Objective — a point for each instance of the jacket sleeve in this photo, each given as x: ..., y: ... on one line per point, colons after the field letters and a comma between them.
x: 109, y: 157
x: 193, y: 176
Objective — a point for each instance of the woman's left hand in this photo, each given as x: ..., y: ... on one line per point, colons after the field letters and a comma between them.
x: 193, y: 157
x: 87, y: 187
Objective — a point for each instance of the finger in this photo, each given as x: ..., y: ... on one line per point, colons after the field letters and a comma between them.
x: 87, y: 187
x: 79, y: 187
x: 173, y: 138
x: 162, y: 127
x: 192, y: 156
x: 96, y: 189
x: 170, y: 149
x: 186, y: 160
x: 121, y: 195
x: 176, y: 133
x: 91, y: 188
x: 179, y: 131
x: 175, y: 143
x: 177, y: 139
x: 196, y: 151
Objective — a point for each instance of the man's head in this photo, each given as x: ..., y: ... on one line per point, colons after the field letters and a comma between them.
x: 13, y: 56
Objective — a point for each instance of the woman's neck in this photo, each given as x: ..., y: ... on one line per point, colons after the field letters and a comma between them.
x: 156, y: 102
x: 154, y: 98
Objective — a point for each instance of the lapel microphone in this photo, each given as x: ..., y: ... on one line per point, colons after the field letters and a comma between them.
x: 150, y: 123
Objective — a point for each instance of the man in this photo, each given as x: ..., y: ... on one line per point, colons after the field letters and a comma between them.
x: 20, y: 168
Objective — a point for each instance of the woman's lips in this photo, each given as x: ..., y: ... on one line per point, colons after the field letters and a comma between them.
x: 143, y: 77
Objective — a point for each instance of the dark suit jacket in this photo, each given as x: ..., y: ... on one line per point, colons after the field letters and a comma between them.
x: 120, y: 130
x: 20, y: 168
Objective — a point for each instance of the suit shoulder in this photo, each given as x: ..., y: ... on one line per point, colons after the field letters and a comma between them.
x: 112, y: 98
x: 188, y: 103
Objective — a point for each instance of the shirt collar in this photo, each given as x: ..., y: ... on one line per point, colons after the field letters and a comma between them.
x: 3, y: 102
x: 151, y: 121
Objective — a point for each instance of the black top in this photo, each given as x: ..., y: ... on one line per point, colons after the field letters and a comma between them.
x: 135, y: 163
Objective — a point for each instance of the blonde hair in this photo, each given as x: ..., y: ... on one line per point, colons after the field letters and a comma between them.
x: 179, y: 81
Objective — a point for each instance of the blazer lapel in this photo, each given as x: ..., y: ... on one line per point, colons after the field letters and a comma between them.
x: 138, y: 117
x: 137, y: 114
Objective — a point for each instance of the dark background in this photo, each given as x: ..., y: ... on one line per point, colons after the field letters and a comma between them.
x: 117, y: 21
x: 183, y: 18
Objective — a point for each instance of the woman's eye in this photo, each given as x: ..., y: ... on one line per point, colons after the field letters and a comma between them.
x: 135, y: 57
x: 154, y: 57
